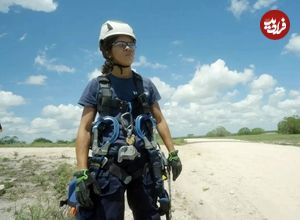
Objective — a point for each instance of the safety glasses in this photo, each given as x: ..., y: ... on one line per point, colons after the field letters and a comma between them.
x: 124, y: 44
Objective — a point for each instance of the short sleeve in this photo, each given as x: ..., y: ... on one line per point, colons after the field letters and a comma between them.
x: 153, y: 95
x: 89, y: 95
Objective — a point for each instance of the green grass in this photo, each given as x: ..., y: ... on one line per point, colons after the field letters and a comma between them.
x: 272, y: 138
x: 179, y: 141
x: 43, y: 209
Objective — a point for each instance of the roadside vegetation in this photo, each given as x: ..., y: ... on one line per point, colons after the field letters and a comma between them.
x: 31, y: 187
x: 287, y: 133
x: 271, y: 138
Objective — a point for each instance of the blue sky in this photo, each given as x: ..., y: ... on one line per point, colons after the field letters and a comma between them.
x: 209, y: 60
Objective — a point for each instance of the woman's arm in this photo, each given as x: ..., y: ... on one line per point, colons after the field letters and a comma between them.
x: 164, y: 132
x: 162, y: 127
x: 83, y: 139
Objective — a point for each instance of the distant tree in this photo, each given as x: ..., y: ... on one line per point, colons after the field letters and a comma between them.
x: 41, y: 140
x: 63, y: 142
x: 244, y: 131
x: 257, y: 131
x: 73, y: 140
x: 190, y: 135
x: 289, y: 125
x: 11, y: 140
x: 218, y: 132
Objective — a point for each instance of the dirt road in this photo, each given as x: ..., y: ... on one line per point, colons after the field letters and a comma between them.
x: 225, y: 180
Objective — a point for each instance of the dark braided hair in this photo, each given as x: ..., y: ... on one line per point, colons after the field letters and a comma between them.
x: 105, y: 47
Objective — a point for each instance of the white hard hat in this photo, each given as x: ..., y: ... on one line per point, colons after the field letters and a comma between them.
x: 111, y: 28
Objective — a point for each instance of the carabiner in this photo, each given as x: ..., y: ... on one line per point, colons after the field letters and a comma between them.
x: 142, y: 119
x: 106, y: 120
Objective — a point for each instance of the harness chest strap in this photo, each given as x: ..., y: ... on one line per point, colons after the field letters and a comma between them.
x: 106, y: 103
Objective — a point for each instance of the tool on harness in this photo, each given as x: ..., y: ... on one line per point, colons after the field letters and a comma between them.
x: 100, y: 125
x: 158, y: 162
x: 127, y: 152
x: 127, y: 123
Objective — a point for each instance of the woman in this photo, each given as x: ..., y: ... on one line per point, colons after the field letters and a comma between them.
x: 118, y: 94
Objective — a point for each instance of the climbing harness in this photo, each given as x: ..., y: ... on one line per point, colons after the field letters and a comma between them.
x: 136, y: 123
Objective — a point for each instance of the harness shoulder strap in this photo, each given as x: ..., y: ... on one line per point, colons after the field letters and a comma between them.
x: 138, y: 81
x: 104, y: 95
x: 106, y: 104
x: 141, y: 96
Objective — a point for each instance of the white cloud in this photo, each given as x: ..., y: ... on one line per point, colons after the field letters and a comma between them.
x: 188, y: 59
x: 23, y: 37
x: 252, y: 100
x: 3, y: 35
x: 36, y: 80
x: 62, y: 112
x: 54, y: 123
x: 264, y: 83
x: 9, y: 99
x: 290, y: 103
x: 35, y: 5
x: 163, y: 88
x: 143, y: 62
x: 176, y: 42
x: 263, y: 4
x: 278, y: 94
x: 94, y: 74
x: 293, y: 45
x: 218, y: 95
x: 51, y: 65
x: 210, y: 81
x: 237, y: 7
x: 8, y: 120
x: 294, y: 93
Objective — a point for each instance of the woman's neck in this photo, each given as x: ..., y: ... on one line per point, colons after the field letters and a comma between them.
x: 122, y: 73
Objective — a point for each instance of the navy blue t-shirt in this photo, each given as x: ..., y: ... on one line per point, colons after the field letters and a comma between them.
x: 124, y: 89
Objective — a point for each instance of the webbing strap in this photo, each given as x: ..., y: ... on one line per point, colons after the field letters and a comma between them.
x: 106, y: 103
x: 120, y: 173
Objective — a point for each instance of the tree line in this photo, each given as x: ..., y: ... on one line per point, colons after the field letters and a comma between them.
x: 289, y: 125
x: 15, y: 140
